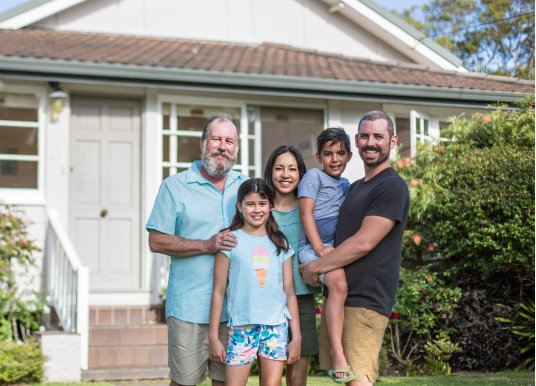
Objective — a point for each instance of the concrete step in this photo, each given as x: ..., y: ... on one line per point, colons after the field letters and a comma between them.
x: 124, y: 335
x: 124, y: 373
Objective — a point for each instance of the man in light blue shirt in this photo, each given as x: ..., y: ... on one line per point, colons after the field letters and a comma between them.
x: 189, y: 211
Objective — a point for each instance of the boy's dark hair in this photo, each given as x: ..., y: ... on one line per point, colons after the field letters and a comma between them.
x: 335, y: 135
x: 257, y: 185
x: 271, y: 162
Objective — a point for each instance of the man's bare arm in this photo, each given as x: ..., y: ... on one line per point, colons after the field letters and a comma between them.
x: 372, y: 231
x: 177, y: 246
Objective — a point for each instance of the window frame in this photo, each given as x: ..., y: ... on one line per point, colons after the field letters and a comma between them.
x: 28, y: 196
x: 244, y: 165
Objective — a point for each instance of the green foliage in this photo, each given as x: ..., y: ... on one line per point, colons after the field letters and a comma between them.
x: 489, y: 36
x: 472, y: 220
x: 437, y: 356
x: 522, y: 324
x: 421, y: 320
x: 473, y: 199
x: 21, y: 362
x: 19, y: 308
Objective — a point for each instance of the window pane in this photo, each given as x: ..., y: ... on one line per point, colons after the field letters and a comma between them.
x: 188, y: 149
x: 18, y: 107
x: 403, y: 132
x: 165, y: 148
x: 165, y: 173
x: 18, y: 140
x: 18, y: 174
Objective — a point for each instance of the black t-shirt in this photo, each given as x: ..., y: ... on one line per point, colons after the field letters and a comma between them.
x: 373, y: 279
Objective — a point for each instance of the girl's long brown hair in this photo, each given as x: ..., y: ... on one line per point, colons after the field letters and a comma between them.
x: 257, y: 185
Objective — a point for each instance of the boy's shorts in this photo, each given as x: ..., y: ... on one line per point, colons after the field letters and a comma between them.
x: 245, y: 342
x: 188, y: 352
x: 306, y: 254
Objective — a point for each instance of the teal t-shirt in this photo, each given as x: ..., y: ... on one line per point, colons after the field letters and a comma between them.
x: 189, y: 206
x: 255, y: 292
x: 291, y: 226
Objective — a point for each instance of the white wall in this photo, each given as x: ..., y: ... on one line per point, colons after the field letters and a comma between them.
x: 299, y: 23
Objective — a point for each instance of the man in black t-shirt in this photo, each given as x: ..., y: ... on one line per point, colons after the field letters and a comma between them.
x: 368, y: 245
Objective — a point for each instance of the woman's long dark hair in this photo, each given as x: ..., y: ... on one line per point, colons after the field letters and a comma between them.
x: 273, y: 157
x: 257, y: 185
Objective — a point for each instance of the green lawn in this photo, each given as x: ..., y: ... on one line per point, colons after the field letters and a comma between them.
x: 510, y: 378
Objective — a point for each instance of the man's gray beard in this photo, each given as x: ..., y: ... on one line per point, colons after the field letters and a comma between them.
x: 212, y: 167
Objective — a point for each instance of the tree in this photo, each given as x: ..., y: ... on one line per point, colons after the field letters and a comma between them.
x: 491, y: 36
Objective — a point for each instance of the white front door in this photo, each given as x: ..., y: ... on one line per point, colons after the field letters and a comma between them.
x: 105, y: 191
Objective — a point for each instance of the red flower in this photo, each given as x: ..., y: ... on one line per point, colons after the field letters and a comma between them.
x: 416, y: 239
x: 395, y: 315
x: 318, y: 310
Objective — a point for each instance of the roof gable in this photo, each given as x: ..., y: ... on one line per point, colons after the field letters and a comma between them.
x: 362, y: 15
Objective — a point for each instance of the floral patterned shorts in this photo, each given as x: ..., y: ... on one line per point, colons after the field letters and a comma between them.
x: 245, y: 342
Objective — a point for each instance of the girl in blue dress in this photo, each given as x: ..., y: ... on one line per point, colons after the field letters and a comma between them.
x: 255, y: 278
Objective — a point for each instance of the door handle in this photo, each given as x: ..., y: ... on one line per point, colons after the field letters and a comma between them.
x: 103, y: 213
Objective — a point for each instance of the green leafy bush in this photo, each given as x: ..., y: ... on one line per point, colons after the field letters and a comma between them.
x: 20, y: 308
x: 522, y: 325
x: 21, y: 362
x: 21, y: 359
x: 472, y: 219
x: 420, y: 320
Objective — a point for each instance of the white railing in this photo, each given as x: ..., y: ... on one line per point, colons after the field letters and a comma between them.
x: 67, y: 282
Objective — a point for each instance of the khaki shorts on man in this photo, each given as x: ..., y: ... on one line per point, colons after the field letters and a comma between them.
x: 362, y: 339
x: 188, y: 352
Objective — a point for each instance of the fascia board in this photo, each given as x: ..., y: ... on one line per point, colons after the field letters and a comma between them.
x: 395, y: 31
x: 138, y: 74
x: 28, y: 14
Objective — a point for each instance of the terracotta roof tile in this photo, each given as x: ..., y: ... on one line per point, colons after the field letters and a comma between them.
x: 264, y: 59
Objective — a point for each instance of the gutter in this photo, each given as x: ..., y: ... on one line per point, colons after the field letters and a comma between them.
x: 47, y: 69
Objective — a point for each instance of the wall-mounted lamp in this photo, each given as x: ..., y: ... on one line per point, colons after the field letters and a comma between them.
x: 57, y: 100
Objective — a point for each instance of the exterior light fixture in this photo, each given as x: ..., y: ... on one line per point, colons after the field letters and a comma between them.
x: 57, y: 100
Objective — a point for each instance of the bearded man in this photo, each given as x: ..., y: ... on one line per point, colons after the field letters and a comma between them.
x: 190, y: 206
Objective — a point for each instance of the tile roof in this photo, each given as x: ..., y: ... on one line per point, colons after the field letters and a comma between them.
x: 223, y: 57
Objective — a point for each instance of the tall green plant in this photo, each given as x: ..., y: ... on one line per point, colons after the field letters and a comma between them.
x: 19, y: 307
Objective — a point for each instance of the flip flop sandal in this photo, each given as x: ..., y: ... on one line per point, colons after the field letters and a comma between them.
x: 333, y: 375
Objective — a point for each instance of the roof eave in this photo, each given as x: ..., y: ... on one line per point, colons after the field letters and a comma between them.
x: 31, y: 12
x: 291, y: 84
x: 397, y: 33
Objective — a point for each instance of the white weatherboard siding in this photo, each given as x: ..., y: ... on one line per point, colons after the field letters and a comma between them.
x: 300, y: 23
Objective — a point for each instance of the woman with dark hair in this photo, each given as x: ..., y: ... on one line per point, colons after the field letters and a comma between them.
x: 283, y: 172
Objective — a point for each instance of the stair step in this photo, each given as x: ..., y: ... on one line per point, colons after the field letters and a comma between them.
x: 118, y: 315
x: 127, y: 356
x: 124, y: 373
x: 145, y: 334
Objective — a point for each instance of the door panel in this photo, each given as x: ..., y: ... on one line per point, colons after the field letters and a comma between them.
x: 105, y: 191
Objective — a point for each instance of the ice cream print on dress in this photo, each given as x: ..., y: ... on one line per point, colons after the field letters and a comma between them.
x: 261, y: 263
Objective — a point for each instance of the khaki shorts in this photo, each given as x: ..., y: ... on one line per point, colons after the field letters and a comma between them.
x: 188, y: 352
x: 362, y: 339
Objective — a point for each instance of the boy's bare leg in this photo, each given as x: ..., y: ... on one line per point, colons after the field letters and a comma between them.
x: 334, y: 310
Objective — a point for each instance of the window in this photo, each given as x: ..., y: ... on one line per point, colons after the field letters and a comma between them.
x: 19, y: 145
x: 182, y: 127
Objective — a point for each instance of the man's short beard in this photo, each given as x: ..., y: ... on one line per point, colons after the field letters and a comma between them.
x: 215, y: 168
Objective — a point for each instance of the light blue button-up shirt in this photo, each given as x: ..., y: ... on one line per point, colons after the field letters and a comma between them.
x: 189, y: 206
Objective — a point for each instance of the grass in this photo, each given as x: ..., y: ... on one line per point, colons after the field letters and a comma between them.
x: 507, y: 378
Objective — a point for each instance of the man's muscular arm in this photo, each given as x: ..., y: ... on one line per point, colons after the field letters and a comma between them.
x: 177, y: 246
x: 372, y: 231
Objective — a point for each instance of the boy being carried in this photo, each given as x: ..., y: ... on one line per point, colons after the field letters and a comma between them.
x: 321, y: 193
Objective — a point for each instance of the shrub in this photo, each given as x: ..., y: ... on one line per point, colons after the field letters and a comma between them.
x: 21, y: 362
x: 421, y: 319
x: 472, y: 219
x: 19, y: 308
x: 522, y: 325
x: 485, y: 343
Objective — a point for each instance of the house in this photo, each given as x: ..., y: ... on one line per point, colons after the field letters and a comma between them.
x: 102, y: 99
